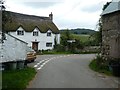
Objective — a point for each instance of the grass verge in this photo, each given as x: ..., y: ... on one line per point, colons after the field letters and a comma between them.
x: 17, y: 79
x: 93, y: 65
x: 55, y: 52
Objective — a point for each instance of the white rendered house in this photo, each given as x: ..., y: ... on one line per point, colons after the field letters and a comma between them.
x: 39, y: 32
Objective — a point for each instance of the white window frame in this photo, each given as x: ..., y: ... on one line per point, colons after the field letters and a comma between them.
x: 49, y: 34
x: 49, y: 44
x: 20, y: 32
x: 35, y: 33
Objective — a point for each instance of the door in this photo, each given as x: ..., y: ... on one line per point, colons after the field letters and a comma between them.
x: 35, y: 46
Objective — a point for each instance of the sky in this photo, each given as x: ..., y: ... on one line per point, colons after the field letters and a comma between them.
x: 67, y: 14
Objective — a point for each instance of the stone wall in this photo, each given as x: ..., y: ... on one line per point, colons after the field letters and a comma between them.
x: 111, y: 35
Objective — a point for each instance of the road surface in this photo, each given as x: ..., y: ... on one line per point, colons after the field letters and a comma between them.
x: 68, y: 71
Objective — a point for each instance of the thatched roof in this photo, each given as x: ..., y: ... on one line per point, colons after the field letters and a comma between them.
x: 12, y: 21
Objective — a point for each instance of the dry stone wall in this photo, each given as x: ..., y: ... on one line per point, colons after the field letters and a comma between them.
x: 111, y: 35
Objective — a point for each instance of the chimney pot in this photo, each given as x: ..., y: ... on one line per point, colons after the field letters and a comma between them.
x: 51, y: 16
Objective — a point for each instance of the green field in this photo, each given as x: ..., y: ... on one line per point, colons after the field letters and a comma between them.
x: 82, y: 38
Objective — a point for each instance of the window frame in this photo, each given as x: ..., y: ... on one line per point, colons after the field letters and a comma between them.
x: 49, y: 44
x: 35, y: 33
x: 49, y: 34
x: 20, y: 32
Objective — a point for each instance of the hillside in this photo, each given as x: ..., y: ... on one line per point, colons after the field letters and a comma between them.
x: 79, y: 31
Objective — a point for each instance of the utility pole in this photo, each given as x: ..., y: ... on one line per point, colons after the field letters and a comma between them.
x: 1, y: 41
x: 1, y: 44
x: 2, y: 7
x: 2, y: 35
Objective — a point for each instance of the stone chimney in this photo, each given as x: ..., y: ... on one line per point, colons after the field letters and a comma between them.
x: 51, y: 16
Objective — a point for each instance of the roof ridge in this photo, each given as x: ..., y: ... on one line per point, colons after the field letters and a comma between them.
x: 28, y: 14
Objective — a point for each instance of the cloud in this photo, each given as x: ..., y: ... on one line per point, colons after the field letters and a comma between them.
x: 66, y: 13
x: 39, y: 4
x: 92, y: 8
x: 116, y: 0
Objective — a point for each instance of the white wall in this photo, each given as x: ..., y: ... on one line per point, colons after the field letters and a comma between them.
x: 13, y: 49
x: 42, y: 38
x: 58, y: 38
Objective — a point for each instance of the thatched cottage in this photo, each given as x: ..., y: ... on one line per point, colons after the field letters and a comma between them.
x: 39, y: 32
x: 111, y: 31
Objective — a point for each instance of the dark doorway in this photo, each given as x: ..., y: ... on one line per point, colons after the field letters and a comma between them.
x: 35, y: 46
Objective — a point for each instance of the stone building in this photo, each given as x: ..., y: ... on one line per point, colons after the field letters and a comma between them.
x: 111, y: 31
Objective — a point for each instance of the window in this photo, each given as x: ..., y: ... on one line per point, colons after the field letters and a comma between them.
x: 49, y: 34
x: 20, y: 32
x: 35, y: 33
x: 48, y: 44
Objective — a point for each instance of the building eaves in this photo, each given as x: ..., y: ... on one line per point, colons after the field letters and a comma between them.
x: 113, y: 7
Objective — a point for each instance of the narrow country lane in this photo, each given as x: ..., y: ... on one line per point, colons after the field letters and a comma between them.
x: 68, y: 71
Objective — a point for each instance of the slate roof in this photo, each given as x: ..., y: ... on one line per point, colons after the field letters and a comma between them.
x: 28, y: 22
x: 113, y: 7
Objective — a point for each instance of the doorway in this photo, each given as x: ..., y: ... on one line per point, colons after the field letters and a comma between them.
x: 35, y: 46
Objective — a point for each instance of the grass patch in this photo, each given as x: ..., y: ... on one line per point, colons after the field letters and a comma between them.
x: 17, y: 79
x: 83, y: 38
x: 66, y: 52
x: 93, y: 65
x: 53, y: 52
x: 88, y: 52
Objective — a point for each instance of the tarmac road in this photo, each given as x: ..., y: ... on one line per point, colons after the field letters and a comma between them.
x: 69, y: 71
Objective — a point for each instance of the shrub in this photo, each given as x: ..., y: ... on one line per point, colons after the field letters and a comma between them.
x: 59, y: 48
x: 100, y: 65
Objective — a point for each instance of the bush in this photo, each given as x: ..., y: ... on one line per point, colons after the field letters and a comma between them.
x: 109, y: 67
x: 59, y: 48
x: 101, y: 69
x: 101, y: 63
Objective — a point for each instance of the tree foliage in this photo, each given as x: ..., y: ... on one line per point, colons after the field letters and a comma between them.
x: 69, y: 46
x: 97, y: 36
x: 106, y: 5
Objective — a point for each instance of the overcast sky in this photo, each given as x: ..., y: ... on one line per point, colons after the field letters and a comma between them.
x: 66, y: 13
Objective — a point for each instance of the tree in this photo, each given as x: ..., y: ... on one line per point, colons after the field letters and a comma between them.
x: 67, y: 40
x: 100, y: 32
x: 64, y: 37
x: 96, y: 38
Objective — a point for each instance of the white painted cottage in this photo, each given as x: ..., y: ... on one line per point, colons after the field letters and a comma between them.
x: 13, y: 52
x: 12, y: 49
x: 39, y: 32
